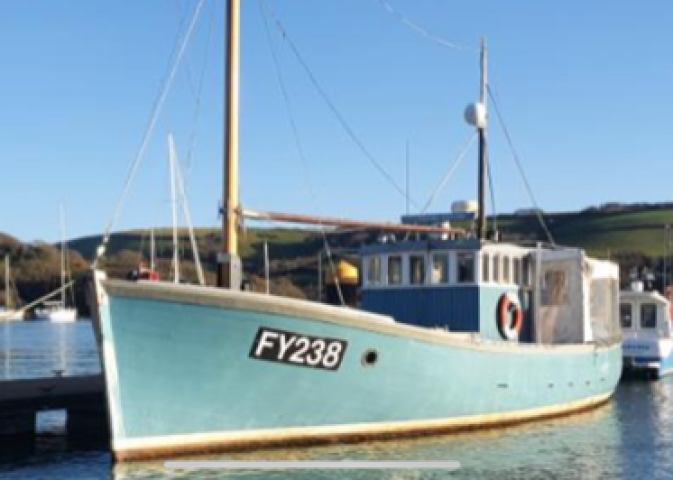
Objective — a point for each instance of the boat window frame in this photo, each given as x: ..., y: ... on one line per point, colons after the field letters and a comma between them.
x: 462, y: 254
x: 506, y: 269
x: 446, y: 264
x: 399, y: 258
x: 517, y: 278
x: 495, y: 272
x: 621, y: 315
x: 643, y: 318
x: 374, y: 280
x: 424, y: 273
x: 526, y: 271
x: 485, y: 267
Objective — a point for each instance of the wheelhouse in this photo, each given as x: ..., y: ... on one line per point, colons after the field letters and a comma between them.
x: 460, y: 285
x: 644, y: 313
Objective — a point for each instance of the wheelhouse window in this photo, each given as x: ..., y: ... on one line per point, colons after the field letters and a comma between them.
x: 648, y: 315
x: 440, y: 268
x: 417, y: 269
x: 516, y: 270
x: 525, y: 272
x: 505, y: 270
x: 374, y: 270
x: 465, y: 267
x: 394, y: 270
x: 485, y: 268
x: 496, y: 268
x: 626, y: 315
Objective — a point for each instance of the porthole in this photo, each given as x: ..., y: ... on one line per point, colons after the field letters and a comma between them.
x: 369, y: 358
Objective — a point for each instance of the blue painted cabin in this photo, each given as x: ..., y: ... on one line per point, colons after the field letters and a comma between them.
x: 450, y: 284
x: 457, y: 285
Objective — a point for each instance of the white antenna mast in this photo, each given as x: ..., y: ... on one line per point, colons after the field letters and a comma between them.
x: 153, y: 251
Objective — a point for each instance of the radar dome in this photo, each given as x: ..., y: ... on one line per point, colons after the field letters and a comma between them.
x: 465, y: 206
x: 475, y: 115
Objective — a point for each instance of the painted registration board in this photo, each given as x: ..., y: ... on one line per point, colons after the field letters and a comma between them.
x: 298, y: 349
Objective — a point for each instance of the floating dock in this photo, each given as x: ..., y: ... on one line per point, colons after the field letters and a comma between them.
x: 83, y: 397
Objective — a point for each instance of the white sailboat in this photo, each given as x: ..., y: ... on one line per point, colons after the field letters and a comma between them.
x: 9, y: 311
x: 57, y: 310
x: 646, y: 319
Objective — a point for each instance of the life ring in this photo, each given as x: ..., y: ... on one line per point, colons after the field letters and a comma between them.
x: 510, y: 316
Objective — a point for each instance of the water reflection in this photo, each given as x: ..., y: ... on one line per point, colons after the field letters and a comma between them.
x: 645, y: 418
x: 44, y: 349
x: 581, y: 446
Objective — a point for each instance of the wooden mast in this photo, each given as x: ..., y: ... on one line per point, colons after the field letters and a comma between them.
x: 229, y: 272
x: 483, y: 151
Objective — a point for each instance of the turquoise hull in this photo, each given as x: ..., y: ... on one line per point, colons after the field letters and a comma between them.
x: 181, y: 375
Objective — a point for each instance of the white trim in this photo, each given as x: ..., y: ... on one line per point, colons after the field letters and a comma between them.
x: 316, y: 312
x: 108, y: 356
x: 112, y: 390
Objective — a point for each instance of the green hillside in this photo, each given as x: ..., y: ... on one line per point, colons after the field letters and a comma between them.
x: 292, y: 253
x: 600, y: 233
x: 631, y: 236
x: 36, y: 270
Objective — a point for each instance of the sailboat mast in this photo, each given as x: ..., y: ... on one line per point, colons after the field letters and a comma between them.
x: 174, y: 209
x: 483, y: 148
x: 62, y: 256
x: 7, y: 296
x: 229, y: 273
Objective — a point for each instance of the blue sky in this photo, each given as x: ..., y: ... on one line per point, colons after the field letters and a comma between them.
x: 586, y: 89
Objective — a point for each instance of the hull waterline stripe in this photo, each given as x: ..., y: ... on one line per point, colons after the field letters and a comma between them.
x: 174, y: 445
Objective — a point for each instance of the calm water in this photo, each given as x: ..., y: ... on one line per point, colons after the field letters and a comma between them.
x: 632, y: 437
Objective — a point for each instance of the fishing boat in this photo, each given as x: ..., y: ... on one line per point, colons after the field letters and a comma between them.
x: 645, y: 317
x: 9, y: 312
x: 455, y: 331
x: 58, y: 310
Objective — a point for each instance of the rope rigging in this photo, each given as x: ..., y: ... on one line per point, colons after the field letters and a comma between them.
x: 515, y: 155
x: 301, y: 153
x: 156, y: 112
x: 440, y: 186
x: 333, y: 108
x: 197, y: 92
x: 491, y: 190
x: 424, y: 32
